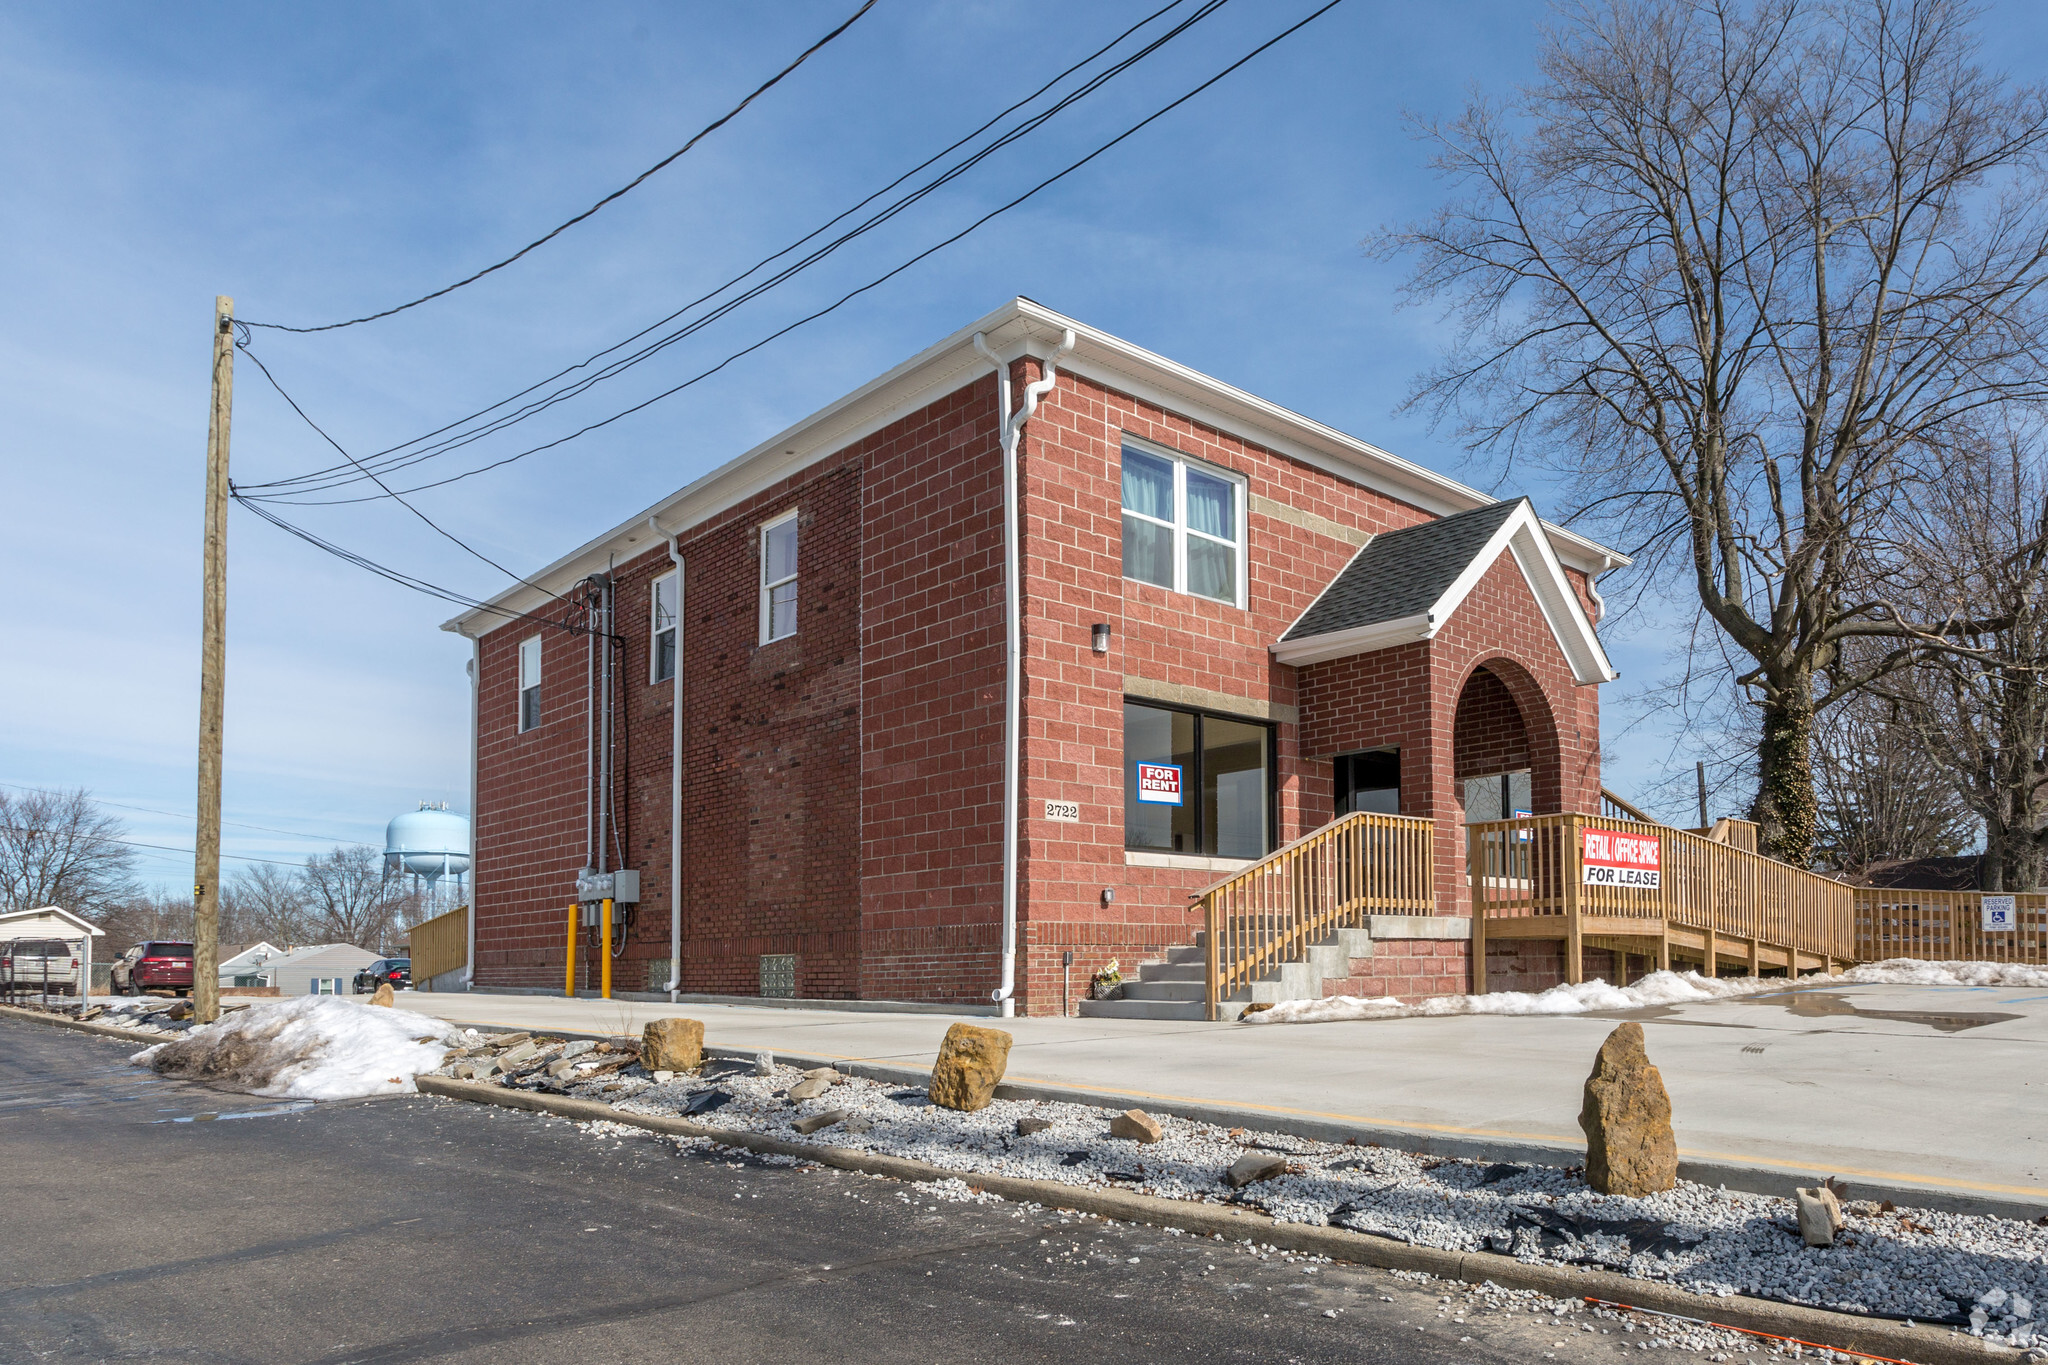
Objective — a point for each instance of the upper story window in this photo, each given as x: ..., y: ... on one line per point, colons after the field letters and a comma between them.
x: 1183, y: 525
x: 529, y: 684
x: 778, y: 579
x: 662, y: 653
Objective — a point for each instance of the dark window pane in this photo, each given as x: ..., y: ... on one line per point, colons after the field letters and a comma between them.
x: 1369, y: 782
x: 1152, y: 735
x: 665, y: 656
x: 1234, y: 788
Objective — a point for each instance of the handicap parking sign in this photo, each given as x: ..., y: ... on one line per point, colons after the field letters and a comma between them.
x: 1998, y: 914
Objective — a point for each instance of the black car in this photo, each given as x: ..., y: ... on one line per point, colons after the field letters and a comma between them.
x: 394, y: 971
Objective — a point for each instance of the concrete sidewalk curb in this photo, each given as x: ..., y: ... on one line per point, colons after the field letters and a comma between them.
x: 1844, y: 1332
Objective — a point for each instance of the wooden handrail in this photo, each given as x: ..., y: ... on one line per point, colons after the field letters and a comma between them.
x: 1531, y: 868
x: 1625, y: 808
x: 1331, y: 878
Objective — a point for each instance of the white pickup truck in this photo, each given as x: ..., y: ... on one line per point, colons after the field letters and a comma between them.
x: 37, y: 964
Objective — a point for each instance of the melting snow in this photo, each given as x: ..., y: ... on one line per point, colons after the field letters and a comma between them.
x: 310, y: 1047
x: 1658, y: 988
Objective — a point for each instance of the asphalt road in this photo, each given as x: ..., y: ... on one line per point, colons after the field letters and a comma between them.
x: 149, y: 1219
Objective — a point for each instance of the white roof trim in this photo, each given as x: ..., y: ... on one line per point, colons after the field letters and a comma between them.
x: 57, y: 910
x: 1019, y: 327
x: 1523, y: 535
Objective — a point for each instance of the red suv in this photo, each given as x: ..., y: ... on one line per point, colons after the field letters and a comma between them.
x: 155, y: 966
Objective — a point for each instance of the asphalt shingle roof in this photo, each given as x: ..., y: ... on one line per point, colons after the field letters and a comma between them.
x: 1402, y: 573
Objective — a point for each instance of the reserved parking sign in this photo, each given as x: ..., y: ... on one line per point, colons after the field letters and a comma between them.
x: 1999, y: 916
x: 1159, y: 783
x: 1611, y: 858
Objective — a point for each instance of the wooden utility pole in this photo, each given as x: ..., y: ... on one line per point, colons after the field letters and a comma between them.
x: 212, y: 670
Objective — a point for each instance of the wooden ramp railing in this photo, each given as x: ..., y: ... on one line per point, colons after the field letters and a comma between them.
x: 1948, y: 926
x: 1713, y: 901
x: 438, y: 945
x: 1330, y: 879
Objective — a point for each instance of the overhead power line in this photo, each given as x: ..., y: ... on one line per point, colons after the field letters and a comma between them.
x: 426, y: 446
x: 179, y: 815
x: 244, y: 497
x: 166, y: 848
x: 619, y: 193
x: 462, y: 599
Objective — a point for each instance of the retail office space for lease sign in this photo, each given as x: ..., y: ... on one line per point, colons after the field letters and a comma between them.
x: 1611, y: 858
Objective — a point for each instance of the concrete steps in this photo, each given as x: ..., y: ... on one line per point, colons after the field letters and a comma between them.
x: 1173, y: 987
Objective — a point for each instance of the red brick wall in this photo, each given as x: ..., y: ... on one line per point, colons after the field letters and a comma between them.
x: 1489, y: 735
x: 1073, y: 725
x: 931, y: 781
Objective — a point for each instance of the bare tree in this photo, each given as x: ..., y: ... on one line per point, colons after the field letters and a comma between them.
x: 351, y: 896
x: 1979, y: 708
x: 1735, y: 271
x: 264, y: 902
x: 1877, y: 798
x: 59, y: 848
x: 141, y: 916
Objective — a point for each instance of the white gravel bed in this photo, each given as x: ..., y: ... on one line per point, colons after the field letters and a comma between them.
x: 1982, y: 1274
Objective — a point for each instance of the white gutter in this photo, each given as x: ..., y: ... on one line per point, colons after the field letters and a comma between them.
x: 675, y: 785
x: 1012, y: 429
x: 476, y: 683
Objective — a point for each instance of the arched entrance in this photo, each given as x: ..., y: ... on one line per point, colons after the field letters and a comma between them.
x: 1504, y: 747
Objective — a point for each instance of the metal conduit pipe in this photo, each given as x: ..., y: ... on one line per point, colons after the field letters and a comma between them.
x: 675, y: 794
x: 1011, y: 427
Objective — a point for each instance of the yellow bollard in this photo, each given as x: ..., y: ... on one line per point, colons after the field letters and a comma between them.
x: 569, y: 984
x: 604, y: 951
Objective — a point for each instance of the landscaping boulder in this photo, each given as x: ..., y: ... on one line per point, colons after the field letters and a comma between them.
x: 970, y: 1066
x: 1820, y: 1215
x: 1027, y: 1126
x: 1253, y: 1166
x: 384, y: 995
x: 814, y: 1084
x: 1630, y: 1149
x: 672, y: 1044
x: 1137, y: 1125
x: 808, y: 1126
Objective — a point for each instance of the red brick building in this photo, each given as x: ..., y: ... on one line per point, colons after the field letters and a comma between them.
x: 1270, y: 619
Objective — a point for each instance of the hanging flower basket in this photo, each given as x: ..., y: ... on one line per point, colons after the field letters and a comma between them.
x: 1108, y: 983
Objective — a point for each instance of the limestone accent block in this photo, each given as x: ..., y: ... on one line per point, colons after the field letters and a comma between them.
x: 1630, y: 1148
x: 672, y: 1044
x: 970, y: 1066
x: 384, y: 996
x: 1137, y: 1125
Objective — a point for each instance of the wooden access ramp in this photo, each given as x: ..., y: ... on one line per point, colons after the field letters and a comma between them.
x: 1710, y: 904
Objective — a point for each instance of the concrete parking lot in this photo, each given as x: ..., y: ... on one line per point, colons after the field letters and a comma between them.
x: 1942, y: 1089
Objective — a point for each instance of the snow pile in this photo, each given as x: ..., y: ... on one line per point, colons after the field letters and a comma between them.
x: 1908, y: 971
x: 1658, y: 988
x: 312, y: 1047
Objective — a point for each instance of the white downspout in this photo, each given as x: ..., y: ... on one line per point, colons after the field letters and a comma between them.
x: 476, y: 682
x: 1593, y: 588
x: 675, y: 785
x: 1011, y: 426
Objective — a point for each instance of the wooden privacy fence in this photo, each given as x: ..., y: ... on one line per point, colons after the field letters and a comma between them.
x: 440, y: 944
x: 1948, y: 926
x: 1712, y: 901
x: 1331, y: 879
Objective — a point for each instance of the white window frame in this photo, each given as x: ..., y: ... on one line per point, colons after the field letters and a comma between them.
x: 1179, y: 526
x: 673, y: 581
x: 529, y: 683
x: 768, y: 587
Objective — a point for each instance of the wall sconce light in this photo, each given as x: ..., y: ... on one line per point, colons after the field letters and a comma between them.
x: 1108, y: 895
x: 1099, y: 637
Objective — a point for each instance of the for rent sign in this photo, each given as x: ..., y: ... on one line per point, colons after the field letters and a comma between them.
x: 1611, y: 858
x: 1159, y: 783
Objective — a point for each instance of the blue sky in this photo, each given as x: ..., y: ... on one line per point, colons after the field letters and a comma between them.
x: 318, y: 162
